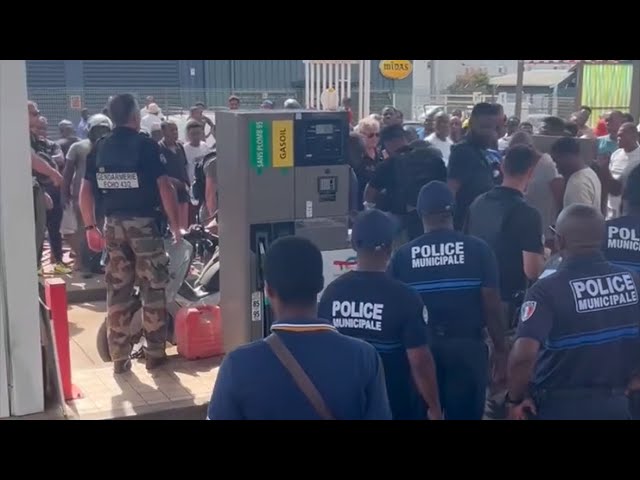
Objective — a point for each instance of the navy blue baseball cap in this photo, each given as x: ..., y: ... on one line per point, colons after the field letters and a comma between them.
x: 435, y: 197
x: 372, y: 230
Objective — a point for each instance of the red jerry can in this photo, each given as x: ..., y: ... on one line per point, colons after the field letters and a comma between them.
x: 199, y: 332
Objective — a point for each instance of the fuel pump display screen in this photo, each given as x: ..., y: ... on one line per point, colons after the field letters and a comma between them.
x: 320, y: 141
x: 324, y: 129
x: 327, y: 188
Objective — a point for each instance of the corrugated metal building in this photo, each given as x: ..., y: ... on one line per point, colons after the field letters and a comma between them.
x: 177, y: 84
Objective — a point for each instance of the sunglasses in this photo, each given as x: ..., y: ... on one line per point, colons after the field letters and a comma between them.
x: 371, y: 135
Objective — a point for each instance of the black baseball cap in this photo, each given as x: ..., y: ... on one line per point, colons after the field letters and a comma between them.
x: 372, y: 230
x: 435, y: 197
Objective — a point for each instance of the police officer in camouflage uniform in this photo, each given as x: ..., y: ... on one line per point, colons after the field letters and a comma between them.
x: 125, y: 171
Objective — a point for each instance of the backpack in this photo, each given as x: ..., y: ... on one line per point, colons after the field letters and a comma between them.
x: 413, y: 170
x: 199, y: 178
x: 493, y: 222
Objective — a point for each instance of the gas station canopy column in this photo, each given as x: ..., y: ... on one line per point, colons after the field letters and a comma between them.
x: 21, y: 380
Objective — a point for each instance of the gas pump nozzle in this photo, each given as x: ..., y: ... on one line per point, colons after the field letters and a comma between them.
x: 266, y: 317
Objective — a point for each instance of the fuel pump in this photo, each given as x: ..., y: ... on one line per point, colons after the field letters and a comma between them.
x: 279, y: 173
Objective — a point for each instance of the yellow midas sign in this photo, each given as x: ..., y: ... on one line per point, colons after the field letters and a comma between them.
x: 396, y: 69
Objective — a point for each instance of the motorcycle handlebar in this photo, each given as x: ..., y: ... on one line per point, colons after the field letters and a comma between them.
x: 198, y: 233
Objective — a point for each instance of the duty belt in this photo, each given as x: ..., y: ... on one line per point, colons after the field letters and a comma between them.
x: 576, y: 393
x: 439, y: 331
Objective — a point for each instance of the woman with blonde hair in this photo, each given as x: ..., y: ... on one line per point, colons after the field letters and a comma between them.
x: 369, y: 131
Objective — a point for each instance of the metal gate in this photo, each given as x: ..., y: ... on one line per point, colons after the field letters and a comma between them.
x: 46, y: 85
x: 103, y: 78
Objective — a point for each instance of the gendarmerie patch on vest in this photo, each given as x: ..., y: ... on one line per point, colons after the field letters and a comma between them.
x: 605, y: 292
x: 117, y: 181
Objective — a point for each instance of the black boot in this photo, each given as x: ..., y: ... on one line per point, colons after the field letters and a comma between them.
x: 121, y: 366
x: 155, y: 362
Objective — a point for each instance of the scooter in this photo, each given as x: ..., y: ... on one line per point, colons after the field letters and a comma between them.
x: 205, y: 290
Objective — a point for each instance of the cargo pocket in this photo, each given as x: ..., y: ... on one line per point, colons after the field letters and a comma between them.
x: 158, y: 276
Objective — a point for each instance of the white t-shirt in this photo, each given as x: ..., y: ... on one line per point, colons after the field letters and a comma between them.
x: 503, y: 143
x: 539, y: 194
x: 194, y: 155
x: 621, y: 165
x: 144, y: 112
x: 443, y: 145
x: 151, y: 123
x: 583, y: 187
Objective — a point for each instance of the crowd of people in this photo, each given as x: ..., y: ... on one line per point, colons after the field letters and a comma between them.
x: 491, y: 258
x: 190, y: 164
x: 125, y: 181
x: 492, y: 261
x: 59, y: 167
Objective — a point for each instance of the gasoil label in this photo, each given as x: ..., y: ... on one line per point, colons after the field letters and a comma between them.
x: 282, y: 143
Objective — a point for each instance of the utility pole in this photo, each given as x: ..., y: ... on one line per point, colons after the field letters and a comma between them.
x: 432, y: 79
x: 519, y: 85
x: 634, y: 108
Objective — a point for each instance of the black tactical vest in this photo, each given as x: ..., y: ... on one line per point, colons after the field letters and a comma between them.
x: 124, y: 185
x: 413, y: 170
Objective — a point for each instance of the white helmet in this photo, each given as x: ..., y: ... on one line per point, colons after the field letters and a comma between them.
x: 99, y: 120
x: 292, y: 103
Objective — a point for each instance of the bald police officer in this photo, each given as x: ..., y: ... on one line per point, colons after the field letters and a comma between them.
x: 457, y: 277
x: 369, y: 305
x: 125, y: 171
x: 622, y: 247
x: 578, y: 338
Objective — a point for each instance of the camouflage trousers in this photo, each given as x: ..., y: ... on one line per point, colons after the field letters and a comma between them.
x: 136, y: 257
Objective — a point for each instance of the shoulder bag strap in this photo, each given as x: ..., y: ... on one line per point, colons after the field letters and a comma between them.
x: 301, y: 379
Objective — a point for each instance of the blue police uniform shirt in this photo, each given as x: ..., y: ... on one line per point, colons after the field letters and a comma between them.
x: 494, y: 156
x: 472, y: 166
x: 586, y: 317
x: 390, y: 316
x: 252, y: 384
x: 448, y: 269
x: 622, y: 246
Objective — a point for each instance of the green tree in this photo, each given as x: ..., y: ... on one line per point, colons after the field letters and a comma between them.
x: 470, y: 82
